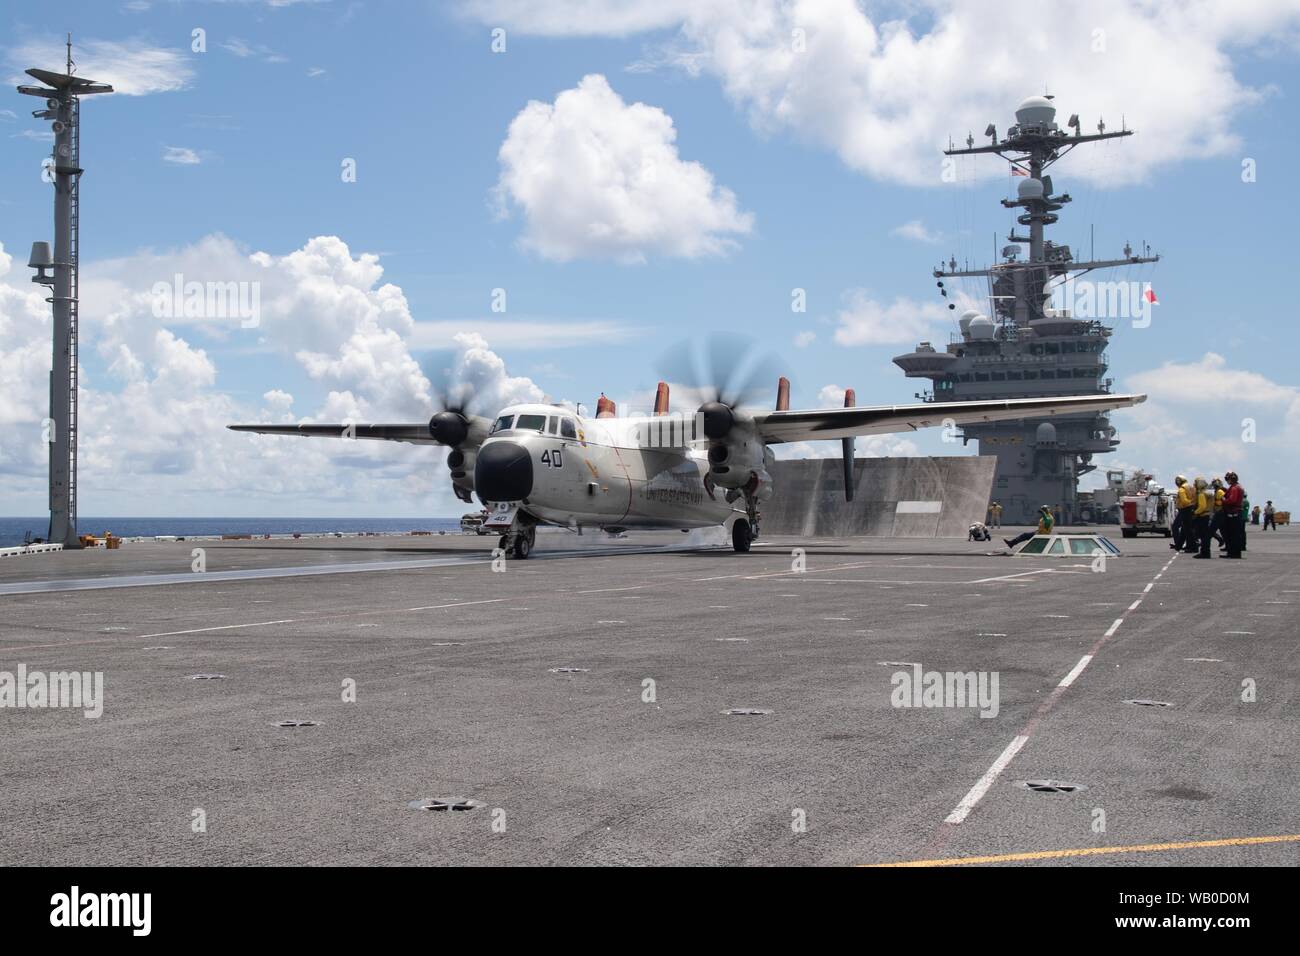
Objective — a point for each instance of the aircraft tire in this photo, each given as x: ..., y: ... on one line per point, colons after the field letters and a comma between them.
x: 741, y: 537
x: 523, y: 546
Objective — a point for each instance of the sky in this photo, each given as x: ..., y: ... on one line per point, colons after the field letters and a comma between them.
x: 549, y: 195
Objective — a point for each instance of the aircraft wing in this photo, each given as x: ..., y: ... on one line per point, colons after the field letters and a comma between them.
x: 416, y: 434
x: 823, y: 423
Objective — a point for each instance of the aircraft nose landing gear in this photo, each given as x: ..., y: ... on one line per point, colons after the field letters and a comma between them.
x: 518, y: 542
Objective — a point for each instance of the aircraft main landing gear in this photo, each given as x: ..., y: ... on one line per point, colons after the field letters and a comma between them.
x: 741, y: 536
x: 745, y: 529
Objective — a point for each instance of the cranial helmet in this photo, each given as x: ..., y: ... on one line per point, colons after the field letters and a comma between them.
x: 1180, y: 480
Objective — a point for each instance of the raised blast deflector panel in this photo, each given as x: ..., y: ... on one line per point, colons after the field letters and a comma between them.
x: 893, y: 497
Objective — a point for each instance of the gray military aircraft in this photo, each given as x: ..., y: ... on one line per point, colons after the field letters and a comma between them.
x: 537, y: 464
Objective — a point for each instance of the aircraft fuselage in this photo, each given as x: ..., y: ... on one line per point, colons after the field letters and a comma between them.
x: 577, y: 472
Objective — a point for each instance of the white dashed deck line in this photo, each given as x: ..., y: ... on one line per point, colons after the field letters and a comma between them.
x: 981, y: 787
x: 435, y: 607
x: 1078, y: 669
x: 222, y: 627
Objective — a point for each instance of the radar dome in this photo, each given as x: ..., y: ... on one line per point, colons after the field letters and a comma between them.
x: 1036, y: 110
x: 1046, y: 434
x: 965, y: 320
x: 1030, y: 189
x: 981, y: 327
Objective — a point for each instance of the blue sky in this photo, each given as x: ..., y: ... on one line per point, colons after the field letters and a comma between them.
x: 810, y: 168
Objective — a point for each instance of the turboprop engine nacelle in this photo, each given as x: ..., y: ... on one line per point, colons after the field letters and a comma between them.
x: 461, y: 464
x: 740, y: 462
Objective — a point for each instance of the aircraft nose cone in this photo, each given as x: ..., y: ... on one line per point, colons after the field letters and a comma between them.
x: 503, y: 471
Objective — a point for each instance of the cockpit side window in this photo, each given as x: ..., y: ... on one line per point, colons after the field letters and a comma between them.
x: 550, y: 425
x: 567, y: 429
x: 501, y: 424
x: 532, y: 423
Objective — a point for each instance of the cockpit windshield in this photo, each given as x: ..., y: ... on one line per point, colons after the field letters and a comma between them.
x: 501, y: 424
x: 531, y: 423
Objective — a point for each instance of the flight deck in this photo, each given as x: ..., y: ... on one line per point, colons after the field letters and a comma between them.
x: 652, y: 699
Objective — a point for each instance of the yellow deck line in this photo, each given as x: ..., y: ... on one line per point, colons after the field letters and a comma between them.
x: 1096, y: 851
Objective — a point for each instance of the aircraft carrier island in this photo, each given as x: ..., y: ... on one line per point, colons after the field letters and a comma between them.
x: 1025, y: 347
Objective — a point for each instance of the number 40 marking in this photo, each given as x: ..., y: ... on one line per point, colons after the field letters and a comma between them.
x: 553, y: 459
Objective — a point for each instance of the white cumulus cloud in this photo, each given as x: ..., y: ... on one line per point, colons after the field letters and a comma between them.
x: 885, y: 88
x: 867, y: 321
x: 154, y: 410
x: 595, y: 177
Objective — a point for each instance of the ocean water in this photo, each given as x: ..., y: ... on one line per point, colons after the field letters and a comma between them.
x: 13, y: 529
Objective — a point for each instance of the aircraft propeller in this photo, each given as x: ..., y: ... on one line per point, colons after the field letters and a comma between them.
x: 726, y: 372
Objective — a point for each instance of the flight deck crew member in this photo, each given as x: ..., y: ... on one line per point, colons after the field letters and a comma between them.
x: 1045, y: 524
x: 1269, y: 520
x: 1216, y: 519
x: 995, y: 515
x: 1245, y: 516
x: 1203, y: 514
x: 1185, y: 503
x: 1234, y: 530
x: 1254, y: 515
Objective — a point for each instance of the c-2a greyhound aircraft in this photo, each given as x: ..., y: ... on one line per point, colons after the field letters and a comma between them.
x: 545, y: 464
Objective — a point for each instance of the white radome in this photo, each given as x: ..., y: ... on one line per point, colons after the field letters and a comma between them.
x: 1030, y: 189
x: 981, y: 327
x: 1035, y: 109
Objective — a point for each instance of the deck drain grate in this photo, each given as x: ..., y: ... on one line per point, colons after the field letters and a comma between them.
x: 747, y: 712
x: 445, y: 804
x: 569, y: 670
x: 297, y: 723
x: 206, y: 677
x: 1051, y: 786
x: 1141, y: 702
